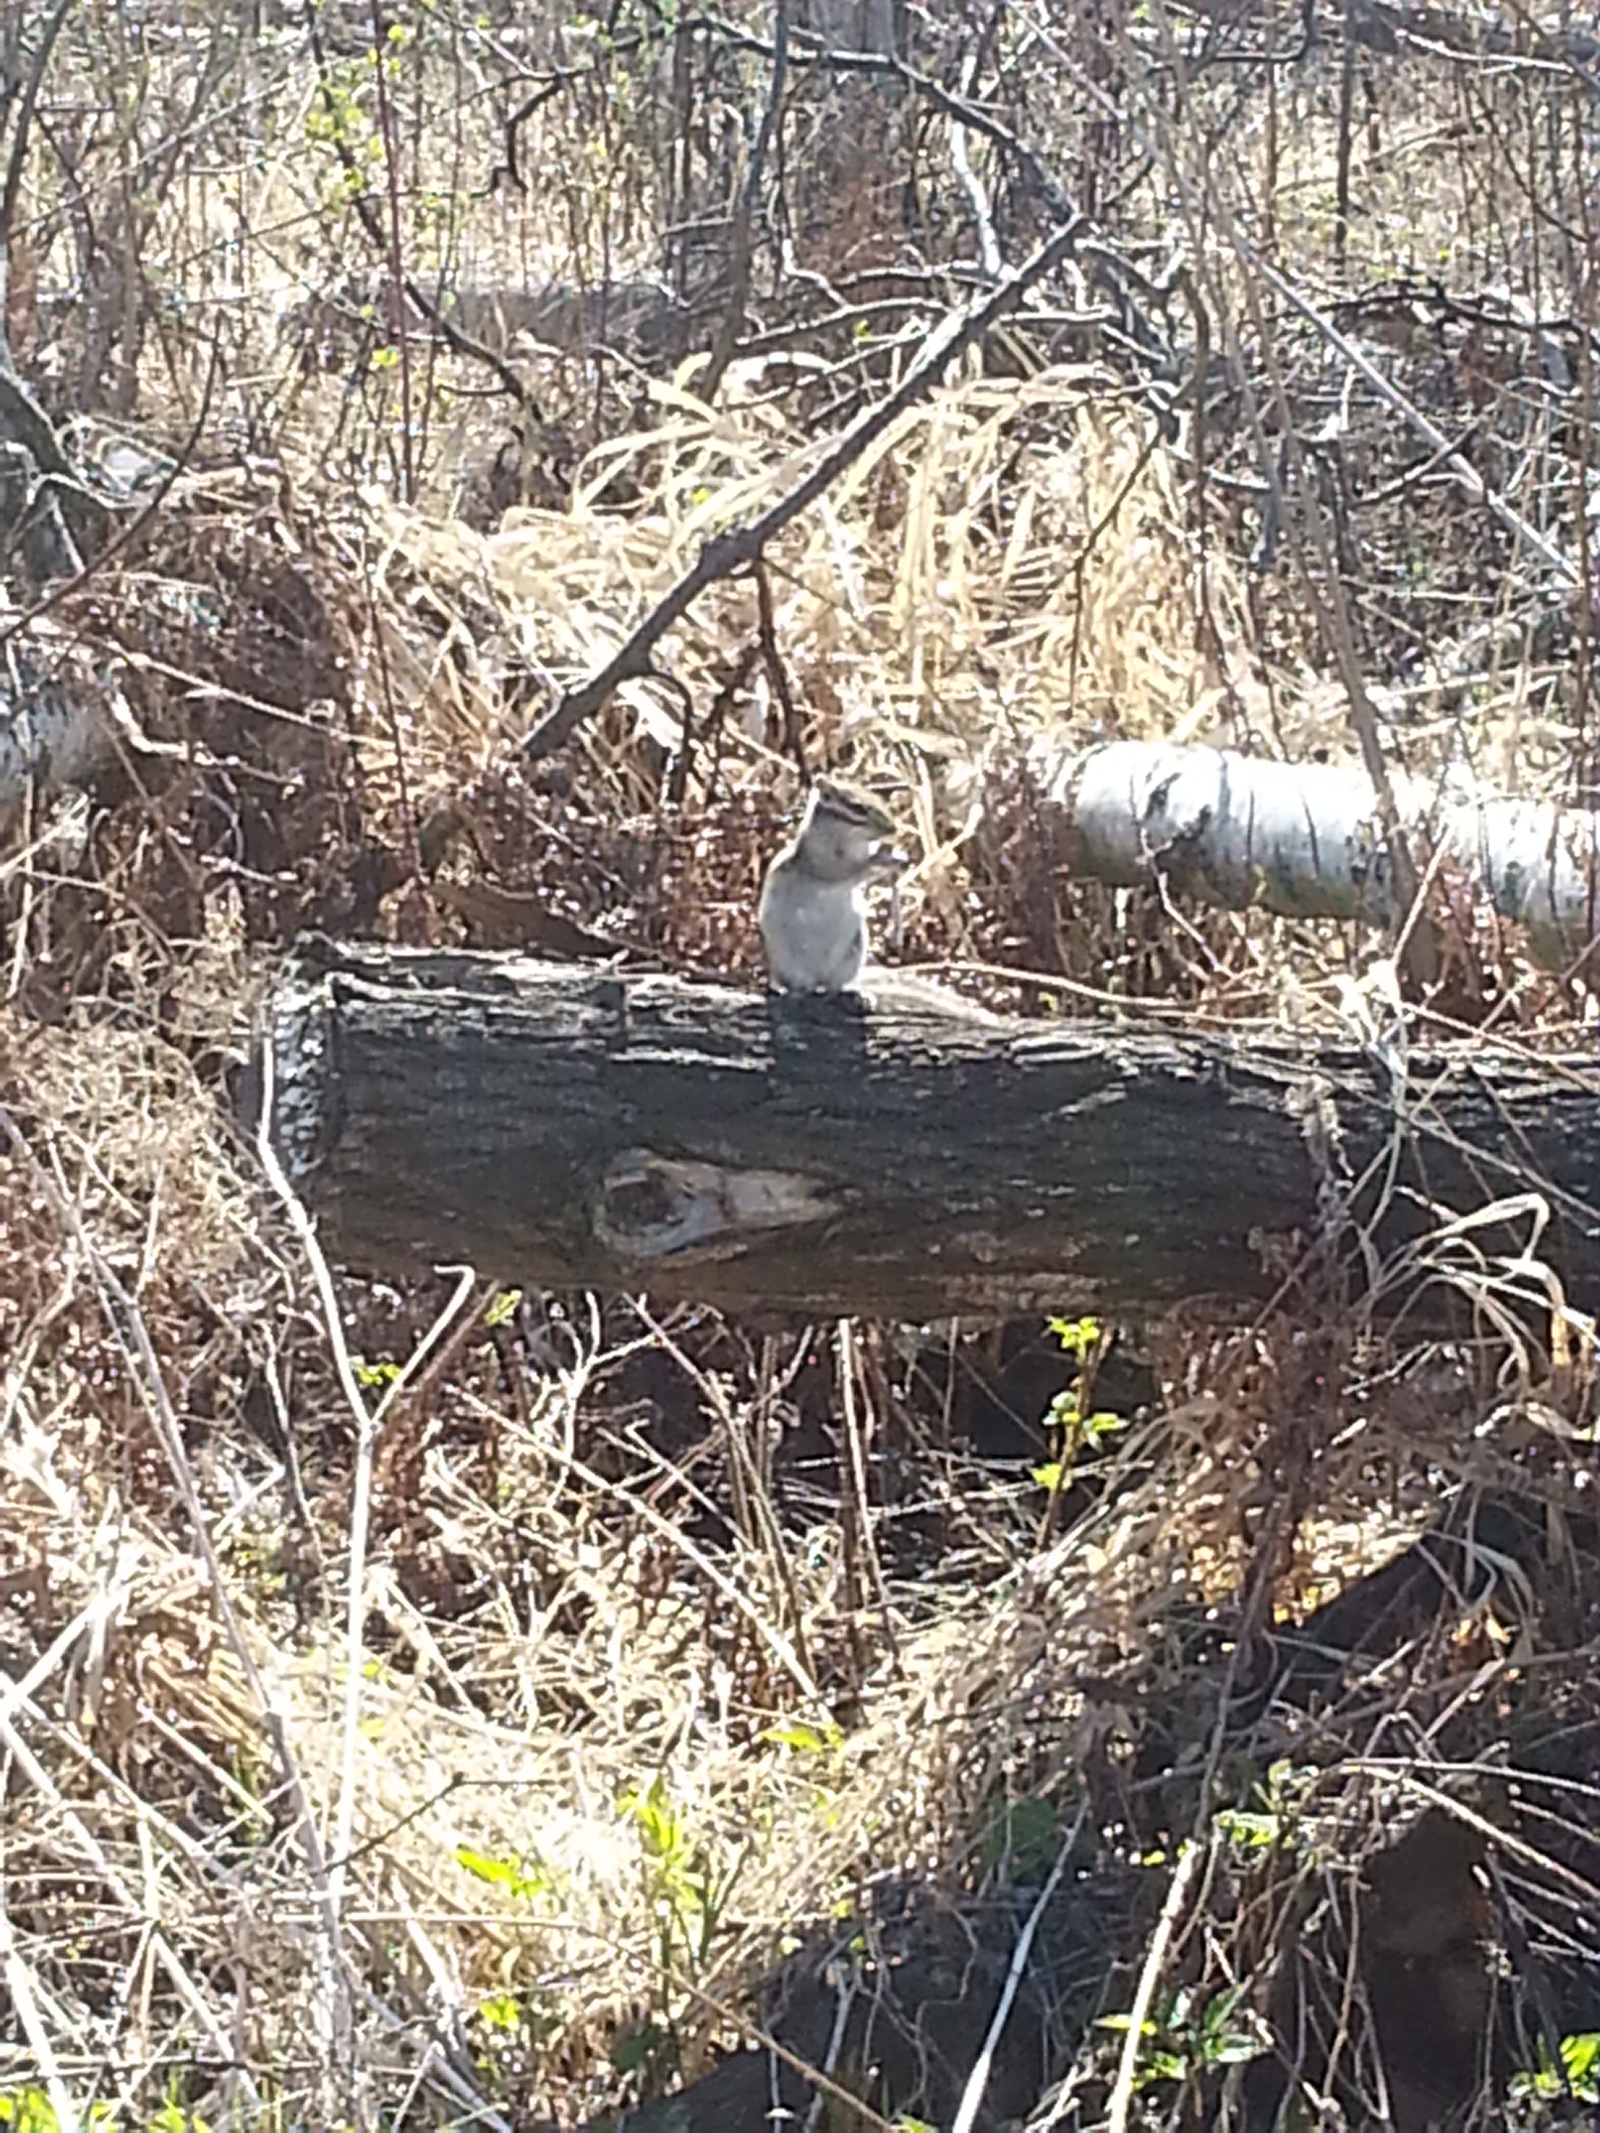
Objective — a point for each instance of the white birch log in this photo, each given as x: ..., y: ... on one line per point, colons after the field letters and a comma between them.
x: 1304, y: 839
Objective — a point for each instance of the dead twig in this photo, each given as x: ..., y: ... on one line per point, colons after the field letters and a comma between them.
x: 126, y: 535
x: 732, y: 322
x: 1149, y: 1979
x: 726, y: 553
x: 972, y: 2096
x: 17, y: 160
x: 794, y: 739
x: 972, y: 185
x: 409, y: 289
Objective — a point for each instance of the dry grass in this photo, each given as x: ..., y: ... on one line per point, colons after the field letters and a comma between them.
x: 428, y: 1705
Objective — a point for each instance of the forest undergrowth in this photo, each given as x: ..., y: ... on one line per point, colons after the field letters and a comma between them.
x: 428, y: 1701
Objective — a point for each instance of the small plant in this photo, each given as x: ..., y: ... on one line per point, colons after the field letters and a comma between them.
x: 802, y: 1738
x: 1246, y: 1830
x: 1080, y: 1426
x: 1578, y: 2075
x: 1021, y: 1839
x: 686, y: 1898
x: 522, y: 1878
x: 1280, y: 1815
x: 30, y: 2110
x: 1193, y: 2034
x: 171, y: 2117
x: 508, y: 2031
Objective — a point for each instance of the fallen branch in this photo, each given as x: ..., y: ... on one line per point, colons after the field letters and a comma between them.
x: 1305, y: 839
x: 571, y: 1129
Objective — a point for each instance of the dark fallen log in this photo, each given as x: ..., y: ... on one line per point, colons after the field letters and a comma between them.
x: 564, y: 1128
x: 903, y: 2037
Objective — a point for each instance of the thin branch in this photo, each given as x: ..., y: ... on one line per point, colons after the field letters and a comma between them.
x: 1347, y: 350
x: 1465, y: 472
x: 964, y: 112
x: 129, y: 1329
x: 551, y: 84
x: 393, y: 254
x: 972, y: 185
x: 960, y: 108
x: 725, y: 553
x: 19, y: 147
x: 978, y: 2080
x: 1149, y: 1978
x: 19, y: 1984
x: 732, y: 324
x: 130, y: 531
x: 409, y: 290
x: 794, y: 739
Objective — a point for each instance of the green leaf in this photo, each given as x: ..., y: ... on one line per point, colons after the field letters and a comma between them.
x: 30, y: 2110
x: 1076, y: 1335
x: 805, y: 1739
x: 1249, y: 1830
x: 1023, y: 1835
x: 501, y: 2010
x: 1237, y: 2048
x: 635, y: 2048
x: 500, y: 1873
x: 1580, y: 2055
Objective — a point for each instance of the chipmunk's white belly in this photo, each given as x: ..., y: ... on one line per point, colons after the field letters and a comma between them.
x: 815, y: 935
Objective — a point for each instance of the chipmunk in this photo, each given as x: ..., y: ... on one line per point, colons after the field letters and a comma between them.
x: 812, y: 914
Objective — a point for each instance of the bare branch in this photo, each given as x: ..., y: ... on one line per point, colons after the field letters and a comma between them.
x: 726, y: 553
x: 30, y: 97
x: 749, y: 197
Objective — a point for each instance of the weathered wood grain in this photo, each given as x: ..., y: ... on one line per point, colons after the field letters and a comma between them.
x: 565, y: 1128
